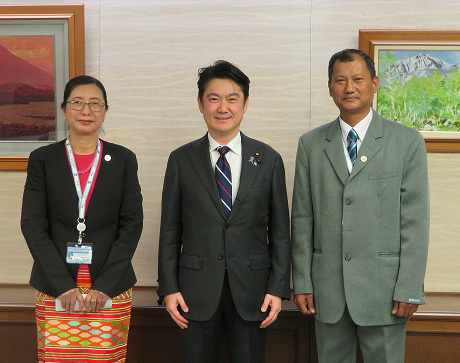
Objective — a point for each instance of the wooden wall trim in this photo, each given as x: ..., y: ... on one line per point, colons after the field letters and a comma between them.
x: 432, y: 337
x: 13, y: 314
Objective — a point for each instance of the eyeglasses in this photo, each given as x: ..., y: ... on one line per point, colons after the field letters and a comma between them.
x: 93, y: 106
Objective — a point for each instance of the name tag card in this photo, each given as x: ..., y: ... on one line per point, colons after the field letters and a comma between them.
x: 79, y: 253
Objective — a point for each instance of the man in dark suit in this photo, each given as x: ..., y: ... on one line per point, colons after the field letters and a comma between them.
x: 224, y: 254
x: 360, y: 220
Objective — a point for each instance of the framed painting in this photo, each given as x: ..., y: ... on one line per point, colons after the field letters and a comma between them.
x: 41, y: 48
x: 419, y: 72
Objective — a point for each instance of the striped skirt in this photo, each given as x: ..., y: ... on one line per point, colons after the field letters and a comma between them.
x: 83, y: 336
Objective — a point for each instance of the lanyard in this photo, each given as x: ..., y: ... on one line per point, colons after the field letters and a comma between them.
x: 82, y: 197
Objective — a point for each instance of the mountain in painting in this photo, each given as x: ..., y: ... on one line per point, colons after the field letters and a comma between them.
x: 422, y: 65
x: 21, y: 93
x: 21, y: 82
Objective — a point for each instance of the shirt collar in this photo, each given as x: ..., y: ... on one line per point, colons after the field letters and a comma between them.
x: 234, y: 145
x: 360, y: 128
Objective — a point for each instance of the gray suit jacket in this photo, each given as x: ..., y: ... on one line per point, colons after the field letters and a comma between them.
x: 198, y: 244
x: 361, y: 240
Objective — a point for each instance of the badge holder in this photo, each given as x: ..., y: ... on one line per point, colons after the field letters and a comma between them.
x: 80, y: 252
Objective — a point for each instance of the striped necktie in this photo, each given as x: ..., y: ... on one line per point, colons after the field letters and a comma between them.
x: 352, y: 147
x: 224, y: 179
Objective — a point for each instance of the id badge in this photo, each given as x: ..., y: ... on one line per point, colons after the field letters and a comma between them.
x: 79, y: 253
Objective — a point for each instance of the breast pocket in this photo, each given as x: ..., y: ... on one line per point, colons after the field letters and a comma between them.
x: 386, y: 186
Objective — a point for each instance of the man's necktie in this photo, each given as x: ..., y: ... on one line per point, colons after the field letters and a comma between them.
x: 352, y: 146
x: 224, y: 179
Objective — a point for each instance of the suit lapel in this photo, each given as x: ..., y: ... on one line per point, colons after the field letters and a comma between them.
x: 248, y: 171
x: 334, y: 151
x: 201, y: 162
x: 103, y: 174
x: 370, y: 146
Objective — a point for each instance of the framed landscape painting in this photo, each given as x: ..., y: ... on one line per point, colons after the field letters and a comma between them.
x: 27, y: 91
x: 41, y: 48
x: 419, y: 74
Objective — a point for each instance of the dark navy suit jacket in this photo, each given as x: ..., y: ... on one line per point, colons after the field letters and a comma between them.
x: 198, y: 244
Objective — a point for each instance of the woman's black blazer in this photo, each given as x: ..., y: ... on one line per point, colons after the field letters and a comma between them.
x: 113, y: 220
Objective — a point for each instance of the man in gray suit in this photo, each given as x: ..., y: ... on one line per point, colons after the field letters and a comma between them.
x: 360, y: 220
x: 224, y: 254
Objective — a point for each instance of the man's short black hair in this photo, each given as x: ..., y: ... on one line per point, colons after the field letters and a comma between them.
x: 348, y: 55
x: 222, y: 70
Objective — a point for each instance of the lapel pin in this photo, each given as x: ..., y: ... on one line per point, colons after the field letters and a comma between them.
x: 107, y: 158
x: 363, y: 159
x: 255, y: 159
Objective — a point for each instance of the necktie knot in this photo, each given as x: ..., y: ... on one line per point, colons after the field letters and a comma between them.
x: 223, y: 150
x: 352, y: 147
x: 352, y: 135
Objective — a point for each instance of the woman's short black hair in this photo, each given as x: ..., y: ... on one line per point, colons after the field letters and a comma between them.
x: 79, y: 81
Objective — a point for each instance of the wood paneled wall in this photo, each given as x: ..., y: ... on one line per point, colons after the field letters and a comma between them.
x: 147, y: 53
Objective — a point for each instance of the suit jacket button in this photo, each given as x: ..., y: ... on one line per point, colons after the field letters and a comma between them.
x: 347, y: 258
x: 227, y: 226
x: 348, y: 202
x: 220, y: 257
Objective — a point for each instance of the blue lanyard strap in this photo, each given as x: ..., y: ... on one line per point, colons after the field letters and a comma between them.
x: 82, y: 197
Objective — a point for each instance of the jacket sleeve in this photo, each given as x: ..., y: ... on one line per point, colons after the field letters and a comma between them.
x: 35, y: 226
x: 130, y: 223
x: 170, y: 231
x: 302, y: 225
x: 278, y: 235
x: 414, y: 225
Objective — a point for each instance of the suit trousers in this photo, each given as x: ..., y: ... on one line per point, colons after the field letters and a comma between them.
x: 201, y: 340
x: 337, y: 342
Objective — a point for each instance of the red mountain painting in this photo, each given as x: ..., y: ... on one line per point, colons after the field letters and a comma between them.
x: 27, y: 103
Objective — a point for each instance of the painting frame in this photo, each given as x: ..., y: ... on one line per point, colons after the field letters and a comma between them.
x: 370, y: 39
x: 73, y: 16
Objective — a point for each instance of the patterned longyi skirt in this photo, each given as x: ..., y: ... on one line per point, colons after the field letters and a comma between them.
x: 83, y: 336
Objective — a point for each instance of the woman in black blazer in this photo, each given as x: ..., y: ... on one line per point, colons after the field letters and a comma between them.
x: 82, y: 219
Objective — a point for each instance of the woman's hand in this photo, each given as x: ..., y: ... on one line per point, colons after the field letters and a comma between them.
x: 95, y: 300
x: 70, y: 298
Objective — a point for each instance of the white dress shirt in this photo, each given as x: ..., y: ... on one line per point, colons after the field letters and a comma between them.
x: 233, y: 157
x: 361, y: 129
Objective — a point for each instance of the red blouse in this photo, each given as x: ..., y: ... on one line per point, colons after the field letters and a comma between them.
x: 84, y: 163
